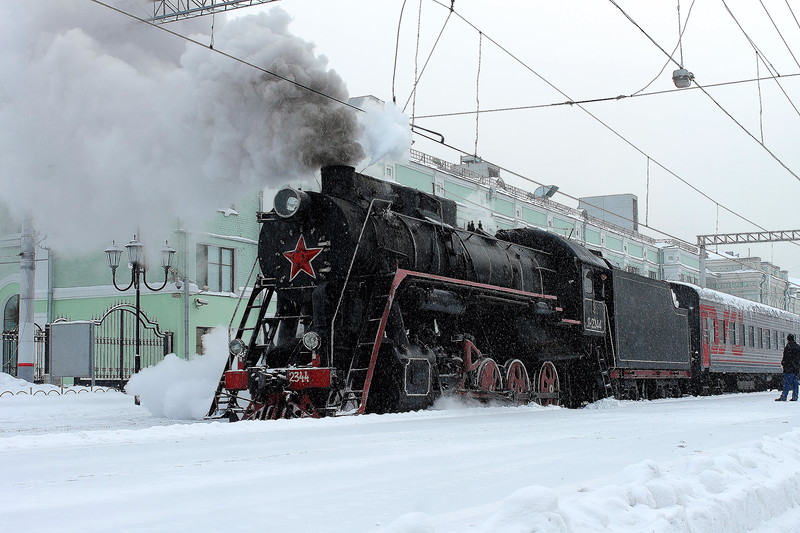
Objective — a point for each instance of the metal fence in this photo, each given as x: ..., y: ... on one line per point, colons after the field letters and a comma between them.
x: 10, y: 352
x: 114, y: 346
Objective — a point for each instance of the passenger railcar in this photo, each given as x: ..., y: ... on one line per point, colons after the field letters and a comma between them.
x: 738, y: 343
x: 379, y: 303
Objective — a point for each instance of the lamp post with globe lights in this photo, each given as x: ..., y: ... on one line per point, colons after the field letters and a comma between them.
x: 138, y: 275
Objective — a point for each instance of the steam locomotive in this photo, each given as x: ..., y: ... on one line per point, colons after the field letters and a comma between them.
x: 379, y: 303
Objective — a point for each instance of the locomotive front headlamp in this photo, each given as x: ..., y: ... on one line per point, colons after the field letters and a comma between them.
x: 289, y: 202
x: 236, y: 347
x: 312, y: 340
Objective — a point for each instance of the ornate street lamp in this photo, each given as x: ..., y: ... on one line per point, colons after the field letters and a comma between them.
x: 138, y: 275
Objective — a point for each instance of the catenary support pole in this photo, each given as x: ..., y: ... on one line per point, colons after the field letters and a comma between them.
x: 27, y: 268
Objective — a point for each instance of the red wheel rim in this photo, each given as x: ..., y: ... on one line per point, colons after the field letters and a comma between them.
x: 488, y: 376
x: 548, y: 385
x: 517, y: 377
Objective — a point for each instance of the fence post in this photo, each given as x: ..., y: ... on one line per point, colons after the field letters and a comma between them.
x: 168, y: 342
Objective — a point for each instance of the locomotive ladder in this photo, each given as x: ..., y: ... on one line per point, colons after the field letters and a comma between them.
x: 602, y: 360
x: 604, y: 373
x: 365, y: 354
x: 225, y: 401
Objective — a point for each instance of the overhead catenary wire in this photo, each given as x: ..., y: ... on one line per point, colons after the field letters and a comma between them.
x: 647, y: 196
x: 602, y: 99
x: 725, y: 111
x: 601, y: 122
x: 792, y: 12
x: 766, y: 62
x: 224, y: 54
x: 418, y: 77
x: 779, y: 32
x: 416, y: 65
x: 397, y: 51
x: 478, y: 92
x: 679, y: 43
x: 680, y: 31
x: 760, y: 102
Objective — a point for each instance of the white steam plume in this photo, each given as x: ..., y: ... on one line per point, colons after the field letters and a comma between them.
x: 107, y: 124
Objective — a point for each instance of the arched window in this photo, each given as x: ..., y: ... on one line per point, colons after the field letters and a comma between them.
x: 11, y: 314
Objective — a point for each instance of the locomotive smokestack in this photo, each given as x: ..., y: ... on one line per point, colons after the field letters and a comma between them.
x: 338, y: 174
x: 337, y: 180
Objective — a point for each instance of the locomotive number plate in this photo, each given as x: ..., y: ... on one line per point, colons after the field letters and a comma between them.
x: 308, y: 378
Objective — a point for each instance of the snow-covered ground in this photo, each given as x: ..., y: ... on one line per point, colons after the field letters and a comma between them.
x: 97, y: 462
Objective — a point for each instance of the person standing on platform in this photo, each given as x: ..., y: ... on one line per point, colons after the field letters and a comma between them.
x: 791, y: 366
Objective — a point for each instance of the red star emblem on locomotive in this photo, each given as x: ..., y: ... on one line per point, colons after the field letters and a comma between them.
x: 301, y: 257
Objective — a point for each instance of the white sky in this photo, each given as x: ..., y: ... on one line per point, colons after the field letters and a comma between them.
x: 588, y: 49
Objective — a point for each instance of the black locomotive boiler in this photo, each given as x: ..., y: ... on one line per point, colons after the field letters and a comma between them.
x: 370, y: 299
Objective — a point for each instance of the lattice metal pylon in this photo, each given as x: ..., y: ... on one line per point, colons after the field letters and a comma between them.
x: 741, y: 238
x: 172, y: 10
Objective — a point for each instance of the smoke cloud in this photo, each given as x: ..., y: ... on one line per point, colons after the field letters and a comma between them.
x: 108, y: 125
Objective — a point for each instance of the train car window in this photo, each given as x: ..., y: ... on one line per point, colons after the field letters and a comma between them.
x: 760, y: 337
x: 777, y: 340
x: 716, y: 331
x: 588, y: 285
x: 711, y: 331
x: 733, y: 334
x: 769, y: 340
x: 752, y: 331
x: 742, y: 338
x: 724, y: 332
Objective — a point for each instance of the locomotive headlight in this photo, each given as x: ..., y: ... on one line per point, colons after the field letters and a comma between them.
x: 312, y: 340
x: 236, y: 347
x: 289, y: 202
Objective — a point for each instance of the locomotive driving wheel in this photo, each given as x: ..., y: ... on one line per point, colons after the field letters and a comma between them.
x: 517, y: 381
x: 487, y: 376
x: 547, y: 385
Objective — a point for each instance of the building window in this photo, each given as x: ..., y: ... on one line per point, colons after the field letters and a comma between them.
x: 215, y: 268
x: 651, y: 274
x: 11, y: 314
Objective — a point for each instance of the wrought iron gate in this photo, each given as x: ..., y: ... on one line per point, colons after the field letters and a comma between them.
x: 11, y: 346
x: 115, y: 343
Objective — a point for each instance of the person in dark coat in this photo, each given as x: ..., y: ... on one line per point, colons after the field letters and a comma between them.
x: 791, y: 366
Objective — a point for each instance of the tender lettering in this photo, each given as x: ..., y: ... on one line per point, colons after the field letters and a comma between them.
x: 595, y: 324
